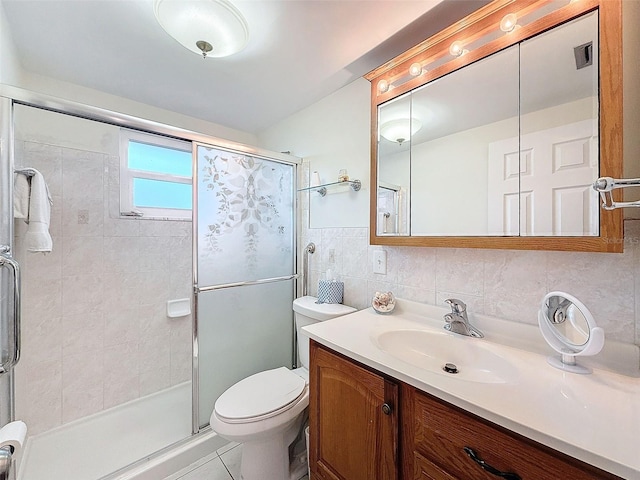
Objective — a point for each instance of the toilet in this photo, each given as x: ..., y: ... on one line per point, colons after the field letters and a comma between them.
x: 266, y: 411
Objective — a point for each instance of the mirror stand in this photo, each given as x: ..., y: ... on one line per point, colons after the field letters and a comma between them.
x: 569, y: 328
x: 568, y: 363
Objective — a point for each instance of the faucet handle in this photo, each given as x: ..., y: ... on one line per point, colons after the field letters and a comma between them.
x: 457, y: 306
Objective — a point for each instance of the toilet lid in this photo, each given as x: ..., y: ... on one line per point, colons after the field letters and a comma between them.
x: 260, y: 394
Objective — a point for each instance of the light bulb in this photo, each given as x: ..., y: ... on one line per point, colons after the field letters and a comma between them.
x: 509, y: 23
x: 457, y: 48
x: 415, y: 69
x: 383, y: 86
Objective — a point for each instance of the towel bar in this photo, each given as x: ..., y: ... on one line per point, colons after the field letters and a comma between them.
x: 29, y: 172
x: 604, y: 185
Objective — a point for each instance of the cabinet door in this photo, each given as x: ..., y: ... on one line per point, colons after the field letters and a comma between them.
x: 353, y: 420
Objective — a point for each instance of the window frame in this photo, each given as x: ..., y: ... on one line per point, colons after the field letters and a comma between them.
x: 127, y: 176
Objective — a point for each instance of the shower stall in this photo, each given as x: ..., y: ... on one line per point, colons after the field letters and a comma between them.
x: 110, y: 385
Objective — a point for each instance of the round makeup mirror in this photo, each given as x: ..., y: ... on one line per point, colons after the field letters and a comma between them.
x: 569, y: 328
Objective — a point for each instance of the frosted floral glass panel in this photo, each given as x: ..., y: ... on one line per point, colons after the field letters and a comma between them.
x: 245, y: 217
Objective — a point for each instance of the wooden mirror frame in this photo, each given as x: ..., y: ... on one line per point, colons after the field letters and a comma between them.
x: 473, y: 27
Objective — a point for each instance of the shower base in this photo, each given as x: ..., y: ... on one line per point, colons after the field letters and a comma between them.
x: 151, y: 435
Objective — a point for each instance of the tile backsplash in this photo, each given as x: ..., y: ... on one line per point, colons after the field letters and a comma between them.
x: 507, y: 284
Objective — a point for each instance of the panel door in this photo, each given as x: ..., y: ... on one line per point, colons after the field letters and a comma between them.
x: 546, y: 189
x: 353, y: 435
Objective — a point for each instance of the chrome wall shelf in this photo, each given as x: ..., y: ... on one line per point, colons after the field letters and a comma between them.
x: 356, y: 185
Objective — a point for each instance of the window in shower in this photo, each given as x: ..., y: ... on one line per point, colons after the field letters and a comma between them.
x: 155, y: 176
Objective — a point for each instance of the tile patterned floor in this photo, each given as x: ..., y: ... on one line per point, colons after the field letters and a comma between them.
x: 224, y: 464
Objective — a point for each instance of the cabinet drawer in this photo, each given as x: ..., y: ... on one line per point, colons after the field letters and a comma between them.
x: 441, y: 432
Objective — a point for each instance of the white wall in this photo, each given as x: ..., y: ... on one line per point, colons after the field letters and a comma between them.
x: 330, y: 135
x: 631, y: 95
x: 76, y: 93
x: 10, y: 68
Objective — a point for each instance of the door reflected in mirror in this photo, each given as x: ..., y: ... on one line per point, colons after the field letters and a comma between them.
x: 559, y: 131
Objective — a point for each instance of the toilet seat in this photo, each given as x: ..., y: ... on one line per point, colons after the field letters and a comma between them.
x: 260, y: 396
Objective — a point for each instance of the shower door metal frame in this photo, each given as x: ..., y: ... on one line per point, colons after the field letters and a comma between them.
x: 294, y: 162
x: 10, y: 96
x: 7, y: 384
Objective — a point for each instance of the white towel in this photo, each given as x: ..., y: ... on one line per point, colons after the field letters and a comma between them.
x: 37, y: 237
x: 21, y: 196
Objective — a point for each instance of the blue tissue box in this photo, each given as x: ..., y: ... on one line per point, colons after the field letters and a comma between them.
x: 330, y: 292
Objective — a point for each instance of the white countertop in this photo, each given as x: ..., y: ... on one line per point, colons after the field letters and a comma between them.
x: 595, y: 418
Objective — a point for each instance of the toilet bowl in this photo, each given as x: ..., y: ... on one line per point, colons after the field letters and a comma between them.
x: 266, y: 412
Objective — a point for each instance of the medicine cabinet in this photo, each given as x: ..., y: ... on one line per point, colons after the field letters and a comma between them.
x: 491, y: 133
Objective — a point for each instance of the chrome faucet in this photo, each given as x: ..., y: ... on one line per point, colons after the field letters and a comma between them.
x: 457, y: 320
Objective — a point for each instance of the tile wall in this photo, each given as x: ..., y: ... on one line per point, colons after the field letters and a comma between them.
x: 508, y: 284
x: 95, y: 330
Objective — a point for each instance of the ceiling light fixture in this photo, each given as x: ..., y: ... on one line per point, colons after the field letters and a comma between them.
x: 400, y: 129
x: 509, y: 23
x: 211, y: 28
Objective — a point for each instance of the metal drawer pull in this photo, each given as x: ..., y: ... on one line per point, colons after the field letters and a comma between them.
x: 386, y: 409
x: 485, y: 466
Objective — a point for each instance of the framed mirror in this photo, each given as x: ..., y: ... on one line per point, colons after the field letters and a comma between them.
x: 491, y: 133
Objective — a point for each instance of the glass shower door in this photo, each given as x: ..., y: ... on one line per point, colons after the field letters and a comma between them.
x: 245, y: 269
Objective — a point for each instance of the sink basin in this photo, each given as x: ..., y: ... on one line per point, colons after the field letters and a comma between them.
x: 472, y: 359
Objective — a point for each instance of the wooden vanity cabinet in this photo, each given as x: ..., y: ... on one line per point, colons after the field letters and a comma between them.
x: 359, y: 430
x: 353, y: 420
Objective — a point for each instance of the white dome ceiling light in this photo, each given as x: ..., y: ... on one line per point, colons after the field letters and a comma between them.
x: 211, y: 28
x: 400, y: 130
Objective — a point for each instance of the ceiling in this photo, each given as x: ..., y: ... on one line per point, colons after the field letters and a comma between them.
x: 299, y: 51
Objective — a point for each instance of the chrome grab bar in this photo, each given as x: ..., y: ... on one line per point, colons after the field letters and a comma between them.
x: 604, y: 185
x: 14, y: 353
x: 310, y: 248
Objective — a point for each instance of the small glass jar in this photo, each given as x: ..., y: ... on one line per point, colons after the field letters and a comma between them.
x: 343, y: 176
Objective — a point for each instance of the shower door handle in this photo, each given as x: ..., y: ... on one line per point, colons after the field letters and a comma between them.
x: 14, y: 347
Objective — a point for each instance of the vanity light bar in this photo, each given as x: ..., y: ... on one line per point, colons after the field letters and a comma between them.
x: 508, y: 23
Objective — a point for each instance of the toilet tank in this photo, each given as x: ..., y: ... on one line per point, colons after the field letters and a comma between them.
x: 307, y: 312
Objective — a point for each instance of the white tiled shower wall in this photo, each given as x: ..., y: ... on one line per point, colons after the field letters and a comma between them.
x: 507, y: 284
x: 95, y: 330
